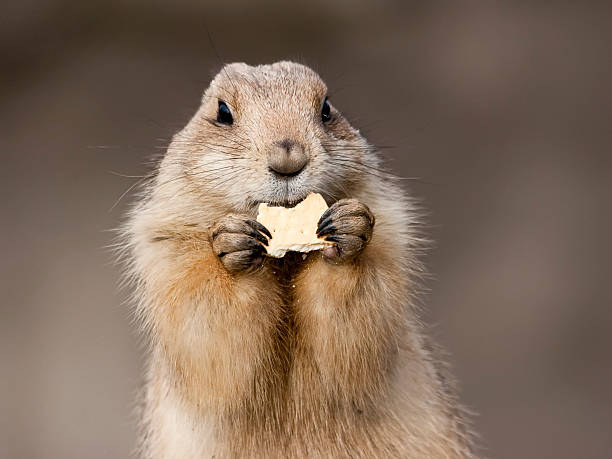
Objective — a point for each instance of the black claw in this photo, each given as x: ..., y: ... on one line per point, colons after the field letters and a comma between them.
x: 325, y: 216
x: 259, y: 227
x: 257, y: 235
x: 327, y: 229
x: 332, y: 238
x: 324, y: 222
x: 254, y: 245
x: 260, y: 249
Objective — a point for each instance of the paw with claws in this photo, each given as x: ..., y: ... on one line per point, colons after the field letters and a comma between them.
x: 239, y: 243
x: 349, y: 223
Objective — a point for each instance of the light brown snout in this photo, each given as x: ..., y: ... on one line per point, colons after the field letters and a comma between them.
x: 287, y: 157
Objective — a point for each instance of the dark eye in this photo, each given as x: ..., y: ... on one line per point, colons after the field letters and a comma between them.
x: 325, y: 115
x: 224, y: 116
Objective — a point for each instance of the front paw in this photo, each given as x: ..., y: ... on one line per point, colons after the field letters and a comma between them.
x: 239, y: 243
x: 349, y: 223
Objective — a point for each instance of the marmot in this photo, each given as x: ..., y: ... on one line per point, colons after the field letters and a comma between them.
x: 318, y: 355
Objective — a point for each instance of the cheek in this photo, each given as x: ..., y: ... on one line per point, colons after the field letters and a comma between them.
x: 212, y: 161
x: 248, y: 178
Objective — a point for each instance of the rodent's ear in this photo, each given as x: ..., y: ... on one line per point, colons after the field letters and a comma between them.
x: 225, y: 75
x: 228, y: 70
x: 237, y: 66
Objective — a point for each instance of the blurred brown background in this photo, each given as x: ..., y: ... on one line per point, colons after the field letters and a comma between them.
x: 501, y: 109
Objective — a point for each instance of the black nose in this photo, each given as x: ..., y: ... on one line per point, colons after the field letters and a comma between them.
x: 287, y: 157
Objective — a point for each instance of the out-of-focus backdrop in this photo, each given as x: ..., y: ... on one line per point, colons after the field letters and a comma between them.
x: 501, y: 109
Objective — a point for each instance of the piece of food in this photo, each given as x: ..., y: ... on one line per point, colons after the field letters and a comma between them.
x: 294, y: 229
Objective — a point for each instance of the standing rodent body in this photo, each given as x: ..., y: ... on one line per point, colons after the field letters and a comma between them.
x: 307, y: 356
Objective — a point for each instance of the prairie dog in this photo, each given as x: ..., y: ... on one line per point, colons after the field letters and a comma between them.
x: 253, y: 357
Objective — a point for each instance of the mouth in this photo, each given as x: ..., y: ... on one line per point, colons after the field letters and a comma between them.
x: 286, y: 192
x: 294, y: 203
x: 288, y: 203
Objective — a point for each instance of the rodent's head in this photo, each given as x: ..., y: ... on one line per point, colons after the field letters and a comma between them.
x: 267, y: 134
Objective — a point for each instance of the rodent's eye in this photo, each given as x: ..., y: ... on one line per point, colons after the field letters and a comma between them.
x: 325, y: 115
x: 224, y: 116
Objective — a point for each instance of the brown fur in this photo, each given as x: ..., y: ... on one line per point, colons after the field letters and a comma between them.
x: 295, y: 357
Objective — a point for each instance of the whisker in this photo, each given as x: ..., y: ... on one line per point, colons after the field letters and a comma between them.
x: 187, y: 172
x: 387, y: 175
x: 374, y: 168
x: 231, y: 177
x: 189, y: 143
x: 234, y: 140
x: 191, y: 186
x: 358, y: 169
x: 119, y: 174
x: 135, y: 184
x: 335, y: 146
